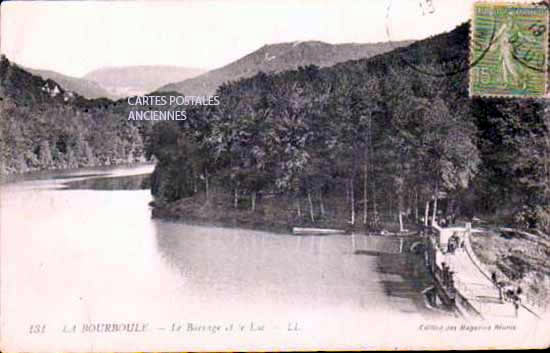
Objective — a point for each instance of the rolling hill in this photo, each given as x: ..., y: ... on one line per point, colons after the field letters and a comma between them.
x: 85, y: 88
x: 138, y: 80
x: 277, y: 58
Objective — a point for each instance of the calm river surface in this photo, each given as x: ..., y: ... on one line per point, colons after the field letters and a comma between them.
x: 73, y: 256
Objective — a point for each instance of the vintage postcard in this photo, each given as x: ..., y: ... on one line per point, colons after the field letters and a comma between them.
x: 275, y: 175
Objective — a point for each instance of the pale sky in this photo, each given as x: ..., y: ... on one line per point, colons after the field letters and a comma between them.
x: 75, y: 37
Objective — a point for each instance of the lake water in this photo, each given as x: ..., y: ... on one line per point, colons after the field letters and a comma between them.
x: 81, y: 255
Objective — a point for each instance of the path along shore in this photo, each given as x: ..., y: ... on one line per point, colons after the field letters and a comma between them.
x: 471, y: 281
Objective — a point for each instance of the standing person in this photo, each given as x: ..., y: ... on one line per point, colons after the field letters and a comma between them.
x: 516, y: 304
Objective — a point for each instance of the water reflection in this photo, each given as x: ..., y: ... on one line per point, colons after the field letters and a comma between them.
x: 259, y: 268
x: 131, y: 182
x: 92, y: 252
x: 80, y: 173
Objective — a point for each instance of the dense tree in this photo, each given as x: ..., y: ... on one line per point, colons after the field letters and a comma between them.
x: 379, y: 136
x: 44, y: 127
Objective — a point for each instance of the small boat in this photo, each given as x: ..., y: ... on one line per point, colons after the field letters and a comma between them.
x: 316, y: 231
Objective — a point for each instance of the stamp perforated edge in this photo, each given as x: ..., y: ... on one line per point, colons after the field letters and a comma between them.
x: 471, y: 50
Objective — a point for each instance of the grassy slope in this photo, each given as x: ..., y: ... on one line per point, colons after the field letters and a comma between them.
x: 518, y: 260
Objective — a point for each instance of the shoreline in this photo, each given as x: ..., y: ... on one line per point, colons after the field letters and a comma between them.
x: 408, y: 264
x: 161, y: 213
x: 272, y: 214
x: 101, y: 170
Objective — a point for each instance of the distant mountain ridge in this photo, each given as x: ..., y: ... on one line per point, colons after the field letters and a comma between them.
x: 86, y: 88
x: 138, y: 80
x: 280, y: 57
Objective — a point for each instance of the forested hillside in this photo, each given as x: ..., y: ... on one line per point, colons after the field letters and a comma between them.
x: 389, y: 138
x: 42, y: 126
x: 86, y: 88
x: 276, y: 58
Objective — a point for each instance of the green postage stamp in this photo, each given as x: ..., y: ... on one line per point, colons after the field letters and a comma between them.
x: 509, y: 49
